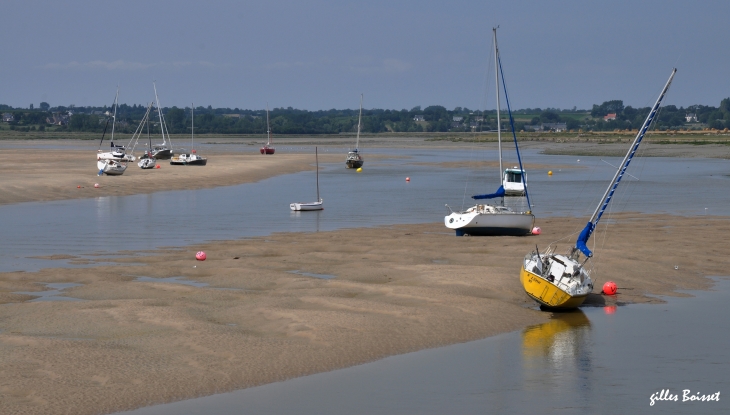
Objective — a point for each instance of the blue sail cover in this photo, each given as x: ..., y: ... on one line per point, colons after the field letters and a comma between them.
x: 583, y: 239
x: 498, y: 193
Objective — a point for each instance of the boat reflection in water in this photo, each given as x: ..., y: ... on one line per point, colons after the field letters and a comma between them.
x: 557, y: 355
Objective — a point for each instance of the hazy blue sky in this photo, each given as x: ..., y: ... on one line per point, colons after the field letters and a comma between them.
x: 321, y: 54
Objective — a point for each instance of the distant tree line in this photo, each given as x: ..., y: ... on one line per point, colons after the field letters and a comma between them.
x: 433, y: 118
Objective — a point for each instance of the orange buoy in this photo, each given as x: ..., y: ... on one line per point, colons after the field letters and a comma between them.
x: 536, y: 230
x: 78, y: 187
x: 408, y: 179
x: 157, y: 166
x: 609, y: 288
x: 550, y: 172
x: 200, y: 256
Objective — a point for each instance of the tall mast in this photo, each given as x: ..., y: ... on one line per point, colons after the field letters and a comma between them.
x: 627, y: 159
x: 580, y: 244
x: 114, y: 119
x: 268, y: 128
x: 359, y: 120
x: 192, y: 126
x: 316, y: 157
x: 159, y: 112
x: 499, y: 122
x: 149, y: 139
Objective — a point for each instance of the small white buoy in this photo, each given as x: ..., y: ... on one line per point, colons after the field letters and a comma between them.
x: 676, y: 267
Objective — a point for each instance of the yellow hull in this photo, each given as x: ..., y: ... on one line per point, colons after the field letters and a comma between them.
x: 548, y: 294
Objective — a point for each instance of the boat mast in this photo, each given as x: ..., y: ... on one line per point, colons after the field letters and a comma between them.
x: 114, y: 119
x: 192, y: 127
x: 627, y: 158
x: 359, y: 120
x: 159, y: 112
x: 149, y: 139
x: 499, y: 125
x: 268, y: 127
x: 316, y: 157
x: 580, y: 243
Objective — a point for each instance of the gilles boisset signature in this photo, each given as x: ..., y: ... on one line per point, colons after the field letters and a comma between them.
x: 687, y: 396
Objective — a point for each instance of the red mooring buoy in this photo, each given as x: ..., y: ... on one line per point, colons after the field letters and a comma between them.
x: 408, y: 179
x: 609, y: 288
x: 200, y: 256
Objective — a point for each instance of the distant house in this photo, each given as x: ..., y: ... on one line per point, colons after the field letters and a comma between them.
x: 8, y: 117
x: 557, y: 127
x: 97, y: 112
x: 419, y: 118
x: 458, y: 119
x: 691, y: 118
x: 58, y: 118
x: 609, y: 117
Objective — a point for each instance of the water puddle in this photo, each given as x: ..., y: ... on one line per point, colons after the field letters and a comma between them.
x: 313, y: 275
x: 173, y: 280
x: 54, y: 294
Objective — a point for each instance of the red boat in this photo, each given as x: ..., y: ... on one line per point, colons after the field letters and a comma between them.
x: 267, y: 149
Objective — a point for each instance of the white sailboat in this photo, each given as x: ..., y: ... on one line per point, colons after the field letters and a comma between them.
x: 299, y: 206
x: 162, y: 151
x: 562, y: 281
x: 485, y: 219
x: 268, y: 148
x: 192, y: 158
x: 146, y: 161
x: 354, y: 158
x: 114, y: 162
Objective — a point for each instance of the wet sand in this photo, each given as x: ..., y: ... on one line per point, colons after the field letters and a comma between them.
x: 45, y: 175
x: 395, y: 289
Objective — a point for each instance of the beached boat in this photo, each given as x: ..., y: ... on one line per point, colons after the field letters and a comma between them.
x: 117, y: 152
x: 162, y: 151
x: 111, y: 167
x: 354, y: 158
x: 299, y: 206
x: 485, y: 219
x: 192, y: 158
x: 268, y: 148
x: 562, y: 281
x: 146, y: 161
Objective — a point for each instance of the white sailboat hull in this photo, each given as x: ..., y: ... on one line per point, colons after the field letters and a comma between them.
x: 307, y: 206
x: 110, y: 167
x: 111, y: 155
x: 485, y: 220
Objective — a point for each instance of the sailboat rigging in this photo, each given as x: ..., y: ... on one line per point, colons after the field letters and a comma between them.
x: 561, y: 281
x: 192, y: 158
x: 161, y: 151
x: 267, y: 148
x: 114, y: 162
x: 354, y: 158
x: 298, y: 206
x: 485, y: 219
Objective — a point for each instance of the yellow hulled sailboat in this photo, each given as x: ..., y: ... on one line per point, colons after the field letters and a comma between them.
x: 561, y: 281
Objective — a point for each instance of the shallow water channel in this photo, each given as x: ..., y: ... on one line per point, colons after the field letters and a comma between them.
x: 593, y: 361
x: 101, y: 227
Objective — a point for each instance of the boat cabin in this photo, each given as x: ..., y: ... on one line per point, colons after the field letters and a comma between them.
x: 512, y: 182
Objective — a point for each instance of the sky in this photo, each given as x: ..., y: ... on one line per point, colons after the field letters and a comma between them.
x: 322, y: 54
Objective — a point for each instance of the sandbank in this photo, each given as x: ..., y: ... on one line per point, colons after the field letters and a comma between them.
x: 396, y: 289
